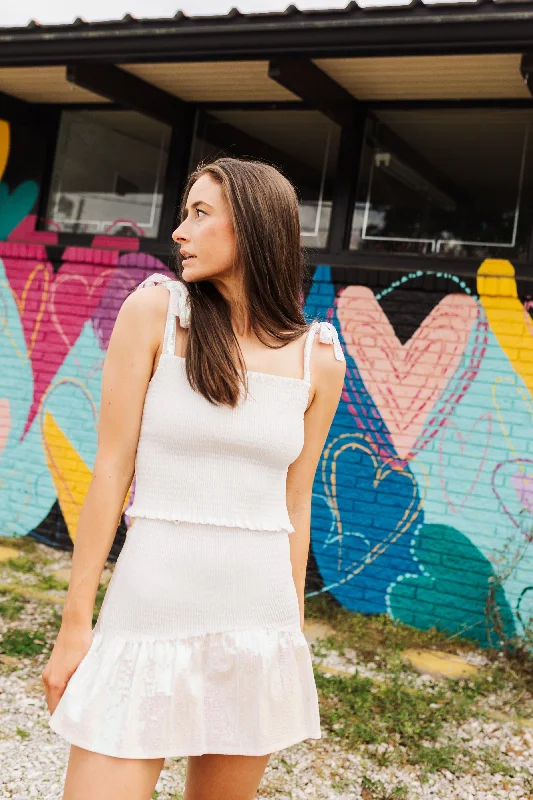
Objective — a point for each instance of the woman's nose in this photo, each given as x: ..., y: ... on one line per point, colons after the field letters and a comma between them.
x: 177, y: 235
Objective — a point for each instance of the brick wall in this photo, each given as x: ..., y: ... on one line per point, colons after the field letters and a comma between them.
x: 57, y: 324
x: 425, y: 486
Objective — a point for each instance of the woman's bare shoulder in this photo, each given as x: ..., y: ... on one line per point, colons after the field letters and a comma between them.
x: 141, y: 317
x: 148, y: 298
x: 327, y: 367
x: 328, y: 363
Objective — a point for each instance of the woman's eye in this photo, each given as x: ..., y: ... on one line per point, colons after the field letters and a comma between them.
x: 200, y: 211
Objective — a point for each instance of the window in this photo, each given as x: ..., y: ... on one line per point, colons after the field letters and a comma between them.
x: 108, y: 174
x: 454, y: 183
x: 304, y: 144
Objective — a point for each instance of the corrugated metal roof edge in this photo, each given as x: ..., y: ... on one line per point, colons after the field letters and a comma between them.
x: 234, y: 14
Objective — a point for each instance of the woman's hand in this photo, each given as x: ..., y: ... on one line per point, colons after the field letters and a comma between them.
x: 71, y: 645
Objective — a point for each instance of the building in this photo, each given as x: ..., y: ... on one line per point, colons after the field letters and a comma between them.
x: 407, y: 132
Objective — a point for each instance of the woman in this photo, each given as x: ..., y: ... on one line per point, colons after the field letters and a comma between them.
x: 199, y: 647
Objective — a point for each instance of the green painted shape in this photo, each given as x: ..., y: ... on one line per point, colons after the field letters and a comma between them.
x: 16, y: 205
x: 453, y: 596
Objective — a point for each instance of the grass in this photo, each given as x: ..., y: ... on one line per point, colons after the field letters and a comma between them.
x: 22, y: 643
x: 371, y: 634
x: 11, y: 605
x: 22, y: 564
x: 48, y: 583
x: 55, y: 622
x: 32, y: 562
x: 378, y: 635
x: 25, y: 544
x: 492, y: 758
x: 361, y: 711
x: 374, y: 790
x: 413, y: 723
x: 100, y: 594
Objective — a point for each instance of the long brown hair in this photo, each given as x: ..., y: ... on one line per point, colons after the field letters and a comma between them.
x: 264, y: 209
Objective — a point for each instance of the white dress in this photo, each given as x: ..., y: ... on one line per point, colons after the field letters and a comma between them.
x: 198, y: 647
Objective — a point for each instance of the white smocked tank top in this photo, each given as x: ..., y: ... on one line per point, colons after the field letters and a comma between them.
x: 198, y: 462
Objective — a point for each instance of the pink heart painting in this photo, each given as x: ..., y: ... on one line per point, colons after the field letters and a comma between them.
x: 405, y: 381
x: 53, y: 308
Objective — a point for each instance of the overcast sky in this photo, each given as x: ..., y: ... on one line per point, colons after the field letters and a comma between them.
x: 50, y: 11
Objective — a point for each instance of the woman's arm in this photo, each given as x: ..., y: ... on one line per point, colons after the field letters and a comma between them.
x: 128, y: 366
x: 328, y: 376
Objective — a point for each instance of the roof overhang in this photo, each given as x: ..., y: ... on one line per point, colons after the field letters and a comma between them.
x: 468, y: 78
x: 417, y: 28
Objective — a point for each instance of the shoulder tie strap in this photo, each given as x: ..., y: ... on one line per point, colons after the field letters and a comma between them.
x: 328, y: 335
x: 178, y: 306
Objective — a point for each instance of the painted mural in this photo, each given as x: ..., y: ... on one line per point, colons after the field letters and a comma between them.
x: 56, y: 321
x: 56, y: 327
x: 427, y: 472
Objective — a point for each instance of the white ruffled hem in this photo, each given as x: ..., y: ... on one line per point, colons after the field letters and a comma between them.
x: 203, y: 519
x: 248, y: 692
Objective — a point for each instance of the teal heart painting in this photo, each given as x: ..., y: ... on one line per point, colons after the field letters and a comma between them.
x: 16, y: 205
x: 446, y: 596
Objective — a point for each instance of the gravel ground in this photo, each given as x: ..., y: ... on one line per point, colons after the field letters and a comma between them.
x: 33, y: 758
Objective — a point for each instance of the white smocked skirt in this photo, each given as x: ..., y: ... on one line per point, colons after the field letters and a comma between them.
x: 197, y: 649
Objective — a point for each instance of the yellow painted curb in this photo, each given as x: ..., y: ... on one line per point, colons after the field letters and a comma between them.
x: 8, y: 552
x: 334, y: 670
x: 501, y: 717
x: 438, y: 663
x: 31, y: 593
x: 314, y: 630
x: 62, y: 575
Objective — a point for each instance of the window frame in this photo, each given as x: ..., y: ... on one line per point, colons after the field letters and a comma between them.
x: 336, y: 253
x: 468, y: 265
x: 173, y: 182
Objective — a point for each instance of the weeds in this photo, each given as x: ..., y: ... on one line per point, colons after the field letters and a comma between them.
x: 11, y: 605
x: 517, y: 650
x: 374, y: 790
x: 100, y: 594
x: 49, y: 583
x: 23, y: 543
x: 403, y: 725
x: 21, y: 564
x: 362, y: 711
x: 492, y: 759
x: 56, y: 620
x: 22, y: 643
x: 374, y: 635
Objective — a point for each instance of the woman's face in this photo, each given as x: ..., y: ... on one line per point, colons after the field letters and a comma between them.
x: 206, y: 233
